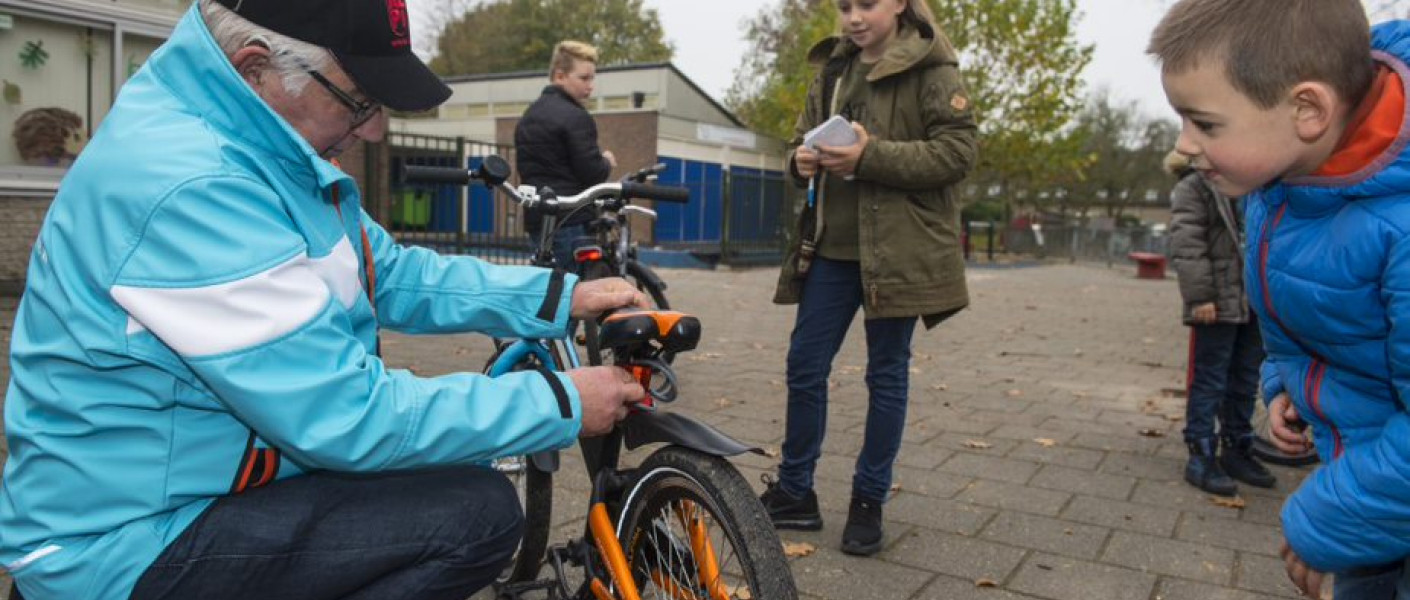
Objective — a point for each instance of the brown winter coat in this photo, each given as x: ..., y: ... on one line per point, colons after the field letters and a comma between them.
x: 922, y: 143
x: 1206, y: 250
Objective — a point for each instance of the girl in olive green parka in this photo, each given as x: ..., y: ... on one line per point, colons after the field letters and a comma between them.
x: 882, y: 234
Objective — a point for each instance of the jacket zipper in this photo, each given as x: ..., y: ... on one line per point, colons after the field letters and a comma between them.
x: 1312, y: 384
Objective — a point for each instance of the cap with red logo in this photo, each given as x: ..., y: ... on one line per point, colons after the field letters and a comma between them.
x: 371, y: 39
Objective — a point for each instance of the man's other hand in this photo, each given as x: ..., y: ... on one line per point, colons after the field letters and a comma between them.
x: 605, y: 393
x: 591, y: 298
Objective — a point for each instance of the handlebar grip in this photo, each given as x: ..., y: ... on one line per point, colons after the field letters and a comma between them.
x: 656, y: 192
x: 424, y: 174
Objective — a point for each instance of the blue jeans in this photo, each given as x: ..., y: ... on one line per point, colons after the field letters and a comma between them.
x: 1391, y: 582
x: 428, y: 534
x: 566, y: 240
x: 1222, y: 379
x: 831, y: 296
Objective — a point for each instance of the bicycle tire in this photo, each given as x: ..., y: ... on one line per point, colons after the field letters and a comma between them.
x: 595, y: 355
x: 676, y: 480
x: 535, y: 490
x: 1263, y: 447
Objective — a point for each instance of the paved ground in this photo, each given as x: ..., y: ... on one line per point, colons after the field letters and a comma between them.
x: 1023, y: 464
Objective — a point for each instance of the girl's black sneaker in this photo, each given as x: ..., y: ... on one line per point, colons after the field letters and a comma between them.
x: 788, y: 511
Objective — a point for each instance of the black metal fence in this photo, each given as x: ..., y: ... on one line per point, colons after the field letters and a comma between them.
x: 997, y: 242
x: 478, y: 221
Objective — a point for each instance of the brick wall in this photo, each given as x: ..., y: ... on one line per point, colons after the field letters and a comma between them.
x: 19, y: 226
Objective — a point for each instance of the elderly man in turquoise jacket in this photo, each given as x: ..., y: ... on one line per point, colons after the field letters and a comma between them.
x: 197, y: 408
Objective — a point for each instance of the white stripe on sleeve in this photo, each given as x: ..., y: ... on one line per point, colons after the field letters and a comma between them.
x: 230, y: 316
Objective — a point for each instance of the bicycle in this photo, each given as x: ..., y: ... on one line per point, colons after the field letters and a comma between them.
x: 683, y: 524
x: 615, y: 255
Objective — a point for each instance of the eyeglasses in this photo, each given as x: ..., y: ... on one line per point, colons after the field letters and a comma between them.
x: 362, y: 110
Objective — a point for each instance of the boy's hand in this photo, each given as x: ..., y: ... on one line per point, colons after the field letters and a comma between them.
x: 806, y: 161
x: 591, y: 298
x: 842, y: 160
x: 1205, y: 313
x: 1307, y: 580
x: 604, y: 393
x: 611, y: 158
x: 1286, y: 426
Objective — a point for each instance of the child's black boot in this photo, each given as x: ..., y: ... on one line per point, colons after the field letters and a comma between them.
x: 1236, y: 457
x: 1203, y: 469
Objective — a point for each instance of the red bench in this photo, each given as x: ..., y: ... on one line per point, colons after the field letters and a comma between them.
x: 1148, y: 265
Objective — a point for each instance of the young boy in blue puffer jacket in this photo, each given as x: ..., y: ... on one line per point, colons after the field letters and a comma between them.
x: 1300, y: 106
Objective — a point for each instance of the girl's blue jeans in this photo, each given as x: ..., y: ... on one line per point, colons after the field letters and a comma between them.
x: 831, y: 296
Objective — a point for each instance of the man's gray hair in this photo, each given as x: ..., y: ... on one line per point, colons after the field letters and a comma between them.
x: 288, y: 57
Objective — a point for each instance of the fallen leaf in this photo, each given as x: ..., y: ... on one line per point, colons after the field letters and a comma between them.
x: 1174, y: 418
x: 1014, y: 393
x: 1235, y: 502
x: 1045, y: 442
x: 771, y: 452
x: 722, y: 402
x: 775, y: 383
x: 940, y: 387
x: 1152, y: 433
x: 1079, y: 394
x: 895, y: 488
x: 985, y: 582
x: 915, y: 371
x: 797, y: 549
x: 757, y: 346
x: 742, y: 593
x: 977, y: 444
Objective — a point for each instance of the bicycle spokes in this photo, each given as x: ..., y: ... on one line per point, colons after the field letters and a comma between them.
x: 679, y: 556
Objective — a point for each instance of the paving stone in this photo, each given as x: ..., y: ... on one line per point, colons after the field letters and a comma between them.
x: 1179, y: 589
x: 963, y: 557
x: 831, y: 574
x: 1062, y: 578
x: 1144, y: 467
x: 1169, y: 557
x: 953, y: 588
x: 940, y: 515
x: 923, y: 456
x: 1179, y: 496
x: 990, y: 467
x: 1122, y: 515
x: 1026, y: 433
x: 1046, y: 535
x: 1265, y: 575
x: 1226, y: 533
x: 1081, y: 458
x: 1052, y: 477
x: 929, y: 483
x: 1009, y: 496
x: 1131, y: 442
x: 960, y: 442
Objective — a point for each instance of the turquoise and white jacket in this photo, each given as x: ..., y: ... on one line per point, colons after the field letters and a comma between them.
x: 195, y: 321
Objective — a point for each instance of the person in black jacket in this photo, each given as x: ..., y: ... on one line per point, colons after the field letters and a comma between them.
x: 556, y: 144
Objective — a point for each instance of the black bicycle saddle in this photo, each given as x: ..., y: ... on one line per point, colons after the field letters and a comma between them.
x: 672, y: 331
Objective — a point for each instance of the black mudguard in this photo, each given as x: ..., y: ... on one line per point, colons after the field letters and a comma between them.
x: 546, y: 461
x: 644, y: 428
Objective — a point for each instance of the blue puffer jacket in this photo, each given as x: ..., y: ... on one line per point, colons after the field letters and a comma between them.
x: 195, y: 322
x: 1329, y: 274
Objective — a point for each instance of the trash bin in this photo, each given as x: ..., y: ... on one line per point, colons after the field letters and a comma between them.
x: 1148, y: 265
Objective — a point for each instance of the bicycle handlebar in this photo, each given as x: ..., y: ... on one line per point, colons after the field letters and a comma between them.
x: 494, y: 171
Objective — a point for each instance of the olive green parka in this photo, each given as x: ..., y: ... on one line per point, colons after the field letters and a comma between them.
x: 922, y: 143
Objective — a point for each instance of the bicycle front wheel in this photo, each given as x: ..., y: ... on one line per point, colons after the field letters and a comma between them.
x: 535, y: 491
x: 691, y: 527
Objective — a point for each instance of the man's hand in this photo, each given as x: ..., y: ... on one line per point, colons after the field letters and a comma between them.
x: 806, y: 161
x: 842, y: 160
x: 1307, y: 580
x: 1205, y: 313
x: 591, y: 298
x: 611, y: 158
x: 1286, y: 426
x: 605, y: 393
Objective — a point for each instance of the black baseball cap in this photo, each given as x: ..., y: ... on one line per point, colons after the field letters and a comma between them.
x: 371, y: 39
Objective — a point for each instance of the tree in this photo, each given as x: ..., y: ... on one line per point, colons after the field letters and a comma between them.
x: 499, y: 36
x: 1124, y: 152
x: 1020, y: 58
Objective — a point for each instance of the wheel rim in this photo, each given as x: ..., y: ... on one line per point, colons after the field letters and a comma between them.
x: 678, y: 549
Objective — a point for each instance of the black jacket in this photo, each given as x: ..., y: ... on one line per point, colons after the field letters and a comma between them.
x: 556, y: 146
